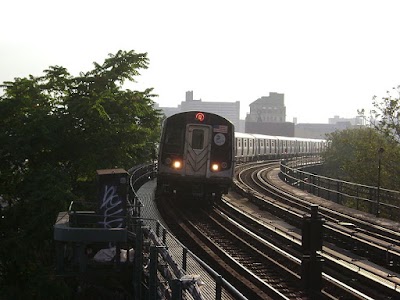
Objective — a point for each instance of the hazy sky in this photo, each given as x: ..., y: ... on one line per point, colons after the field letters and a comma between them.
x: 328, y: 57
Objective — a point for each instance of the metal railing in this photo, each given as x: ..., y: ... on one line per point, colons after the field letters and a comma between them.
x: 142, y: 173
x: 358, y: 196
x: 184, y: 273
x: 185, y: 276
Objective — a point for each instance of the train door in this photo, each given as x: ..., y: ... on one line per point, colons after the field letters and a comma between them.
x: 197, y: 149
x: 261, y: 149
x: 251, y: 149
x: 245, y: 149
x: 273, y: 147
x: 239, y: 147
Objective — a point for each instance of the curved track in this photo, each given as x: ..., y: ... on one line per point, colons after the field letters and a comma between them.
x: 263, y: 259
x: 379, y: 245
x: 235, y: 253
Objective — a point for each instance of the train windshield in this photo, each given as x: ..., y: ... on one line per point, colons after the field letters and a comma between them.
x: 198, y: 139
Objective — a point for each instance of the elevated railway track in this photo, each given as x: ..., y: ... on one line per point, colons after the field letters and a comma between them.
x: 226, y: 230
x: 353, y: 230
x: 253, y: 238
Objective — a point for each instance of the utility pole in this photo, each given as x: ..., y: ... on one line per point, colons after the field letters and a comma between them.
x: 380, y: 152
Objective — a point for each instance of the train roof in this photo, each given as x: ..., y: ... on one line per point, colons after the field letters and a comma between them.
x: 287, y: 138
x: 300, y: 139
x: 198, y: 111
x: 243, y: 135
x: 264, y: 136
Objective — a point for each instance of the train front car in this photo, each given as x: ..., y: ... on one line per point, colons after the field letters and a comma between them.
x: 196, y: 157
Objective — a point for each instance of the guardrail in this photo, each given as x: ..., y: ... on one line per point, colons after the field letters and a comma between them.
x: 371, y: 199
x: 182, y: 268
x: 142, y: 173
x: 147, y: 260
x: 170, y: 259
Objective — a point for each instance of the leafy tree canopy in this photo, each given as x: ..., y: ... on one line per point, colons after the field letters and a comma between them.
x: 385, y: 117
x: 56, y: 130
x: 353, y: 156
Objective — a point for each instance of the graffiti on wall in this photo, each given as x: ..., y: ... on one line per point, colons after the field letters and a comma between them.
x: 112, y: 208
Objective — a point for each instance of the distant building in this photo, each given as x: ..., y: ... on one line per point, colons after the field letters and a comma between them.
x: 268, y: 116
x: 359, y: 120
x: 242, y: 126
x: 229, y: 110
x: 319, y: 131
x: 269, y: 109
x: 168, y: 111
x: 268, y: 128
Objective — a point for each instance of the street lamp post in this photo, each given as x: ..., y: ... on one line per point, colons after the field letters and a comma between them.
x: 380, y: 152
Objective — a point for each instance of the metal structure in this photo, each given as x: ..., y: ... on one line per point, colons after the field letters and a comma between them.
x: 112, y: 250
x: 361, y: 197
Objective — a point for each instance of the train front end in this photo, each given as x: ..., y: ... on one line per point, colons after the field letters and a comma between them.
x: 196, y: 157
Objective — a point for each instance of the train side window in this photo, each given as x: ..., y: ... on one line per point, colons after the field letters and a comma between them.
x: 198, y: 139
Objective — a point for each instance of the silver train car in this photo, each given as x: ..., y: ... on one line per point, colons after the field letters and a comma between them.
x: 253, y: 147
x: 196, y: 156
x: 198, y: 152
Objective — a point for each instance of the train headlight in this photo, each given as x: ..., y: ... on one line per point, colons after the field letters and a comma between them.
x: 177, y: 164
x: 215, y: 167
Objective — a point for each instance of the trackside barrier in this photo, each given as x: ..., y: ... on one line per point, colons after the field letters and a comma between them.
x: 142, y: 173
x: 361, y: 197
x: 139, y: 175
x: 169, y: 267
x: 142, y: 256
x: 184, y: 274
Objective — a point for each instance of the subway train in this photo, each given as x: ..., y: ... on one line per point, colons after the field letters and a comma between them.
x: 198, y: 151
x: 196, y: 156
x: 253, y: 147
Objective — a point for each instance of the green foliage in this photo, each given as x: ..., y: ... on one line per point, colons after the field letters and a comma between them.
x: 56, y: 131
x: 27, y: 251
x: 385, y: 117
x: 354, y: 156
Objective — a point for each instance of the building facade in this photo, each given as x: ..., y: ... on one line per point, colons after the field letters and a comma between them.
x: 229, y: 110
x: 271, y: 128
x: 268, y: 116
x: 319, y: 131
x: 269, y: 109
x: 359, y: 120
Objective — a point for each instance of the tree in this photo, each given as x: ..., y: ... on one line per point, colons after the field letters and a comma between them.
x: 385, y: 117
x: 353, y: 156
x: 55, y: 131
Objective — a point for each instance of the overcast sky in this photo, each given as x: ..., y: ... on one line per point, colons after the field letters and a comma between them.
x: 327, y: 57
